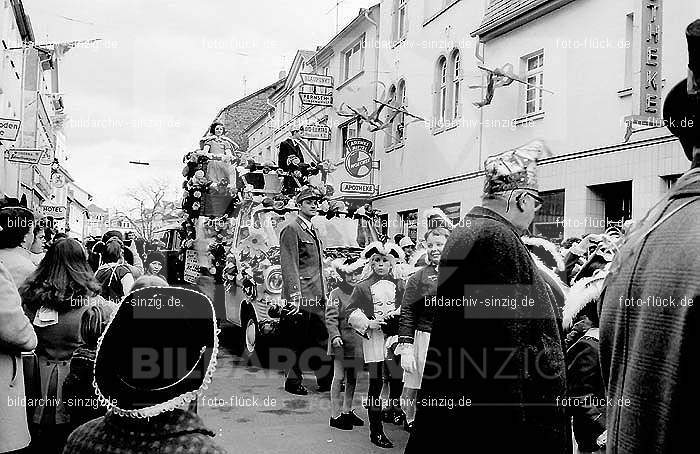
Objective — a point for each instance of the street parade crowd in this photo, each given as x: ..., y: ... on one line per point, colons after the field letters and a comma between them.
x: 480, y: 336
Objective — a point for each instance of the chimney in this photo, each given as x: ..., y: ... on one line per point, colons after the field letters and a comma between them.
x: 282, y: 74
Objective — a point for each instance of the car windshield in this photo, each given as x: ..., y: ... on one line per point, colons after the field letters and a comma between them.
x: 336, y: 232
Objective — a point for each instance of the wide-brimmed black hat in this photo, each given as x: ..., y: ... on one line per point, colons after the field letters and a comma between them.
x: 158, y: 352
x: 682, y: 104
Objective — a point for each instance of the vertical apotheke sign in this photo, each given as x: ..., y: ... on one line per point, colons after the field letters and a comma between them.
x: 650, y: 100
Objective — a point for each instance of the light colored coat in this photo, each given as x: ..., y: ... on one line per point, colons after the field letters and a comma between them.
x: 16, y: 336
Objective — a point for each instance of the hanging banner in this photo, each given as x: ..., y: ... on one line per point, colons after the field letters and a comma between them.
x: 9, y: 129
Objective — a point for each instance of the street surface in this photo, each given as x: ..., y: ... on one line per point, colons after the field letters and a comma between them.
x: 248, y: 409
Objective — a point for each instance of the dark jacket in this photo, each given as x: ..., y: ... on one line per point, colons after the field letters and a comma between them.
x: 174, y: 431
x: 650, y: 336
x: 585, y: 384
x: 363, y: 298
x: 301, y: 260
x: 287, y: 150
x: 78, y: 389
x: 415, y: 313
x: 494, y: 370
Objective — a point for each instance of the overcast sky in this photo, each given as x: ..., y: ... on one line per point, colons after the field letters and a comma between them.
x: 163, y: 71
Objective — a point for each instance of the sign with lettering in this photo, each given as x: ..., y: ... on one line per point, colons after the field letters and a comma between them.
x: 317, y: 80
x: 191, y: 266
x: 357, y: 188
x: 313, y: 99
x: 650, y: 100
x: 46, y: 158
x: 358, y: 161
x: 315, y: 132
x: 25, y: 155
x: 54, y: 211
x: 9, y: 129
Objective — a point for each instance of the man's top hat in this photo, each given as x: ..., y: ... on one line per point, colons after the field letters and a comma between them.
x: 158, y: 352
x: 682, y: 104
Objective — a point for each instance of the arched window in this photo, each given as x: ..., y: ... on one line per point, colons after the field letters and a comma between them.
x: 399, y: 120
x: 456, y: 81
x: 391, y: 99
x: 442, y: 92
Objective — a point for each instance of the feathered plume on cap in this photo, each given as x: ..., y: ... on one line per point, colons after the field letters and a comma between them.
x: 514, y: 169
x: 388, y: 248
x: 544, y: 245
x: 436, y: 218
x: 581, y: 294
x: 347, y: 266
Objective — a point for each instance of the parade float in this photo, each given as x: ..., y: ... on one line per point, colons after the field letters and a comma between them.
x: 229, y: 236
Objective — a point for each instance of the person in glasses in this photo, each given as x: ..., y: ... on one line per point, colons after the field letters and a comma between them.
x: 495, y: 366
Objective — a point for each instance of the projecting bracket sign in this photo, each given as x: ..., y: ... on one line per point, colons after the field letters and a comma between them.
x: 9, y: 129
x: 25, y: 155
x: 315, y: 99
x: 317, y: 80
x: 315, y: 132
x: 357, y: 188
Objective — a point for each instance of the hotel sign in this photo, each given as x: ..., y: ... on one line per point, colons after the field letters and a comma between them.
x: 650, y: 100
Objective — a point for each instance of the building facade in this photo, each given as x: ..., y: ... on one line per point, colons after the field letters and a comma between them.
x: 605, y: 63
x: 428, y: 60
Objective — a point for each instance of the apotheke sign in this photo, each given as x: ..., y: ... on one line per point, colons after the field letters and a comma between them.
x: 357, y: 188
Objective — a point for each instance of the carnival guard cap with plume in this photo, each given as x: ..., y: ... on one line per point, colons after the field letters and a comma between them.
x: 158, y: 352
x: 514, y: 169
x: 388, y: 249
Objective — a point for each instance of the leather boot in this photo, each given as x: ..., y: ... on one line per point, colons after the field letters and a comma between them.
x: 376, y: 430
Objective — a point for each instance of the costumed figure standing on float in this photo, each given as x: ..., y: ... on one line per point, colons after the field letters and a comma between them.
x: 221, y: 152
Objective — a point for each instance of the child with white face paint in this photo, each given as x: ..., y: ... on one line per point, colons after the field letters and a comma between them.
x: 373, y: 312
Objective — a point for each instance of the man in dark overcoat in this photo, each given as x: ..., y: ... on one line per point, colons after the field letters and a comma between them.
x: 495, y: 366
x: 303, y: 287
x: 650, y: 323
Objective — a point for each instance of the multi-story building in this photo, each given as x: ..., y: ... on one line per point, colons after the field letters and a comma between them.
x: 29, y: 92
x: 428, y: 61
x: 605, y: 62
x: 98, y: 220
x: 351, y: 59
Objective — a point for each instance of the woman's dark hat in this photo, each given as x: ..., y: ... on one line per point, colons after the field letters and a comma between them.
x: 682, y: 104
x: 155, y: 256
x: 158, y: 353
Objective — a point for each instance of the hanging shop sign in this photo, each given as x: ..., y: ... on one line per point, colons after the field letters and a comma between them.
x: 9, y: 129
x: 317, y: 80
x: 54, y: 211
x: 358, y: 161
x: 650, y: 100
x: 315, y: 132
x: 58, y: 180
x: 315, y: 99
x: 25, y: 155
x: 357, y: 188
x: 46, y: 158
x: 191, y: 266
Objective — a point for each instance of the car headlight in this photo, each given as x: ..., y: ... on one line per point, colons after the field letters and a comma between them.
x: 273, y: 279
